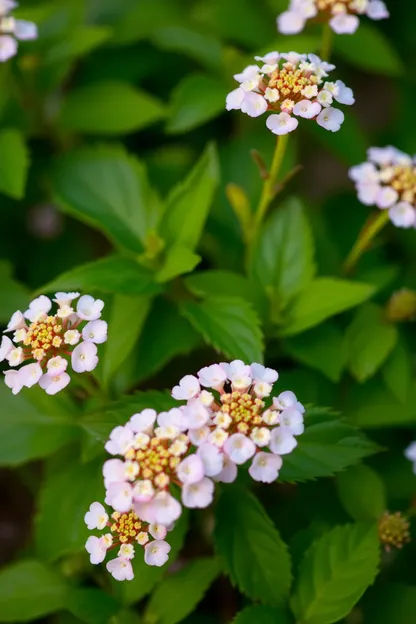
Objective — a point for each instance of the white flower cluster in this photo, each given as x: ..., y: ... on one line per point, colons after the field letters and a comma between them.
x: 342, y: 15
x: 388, y: 181
x: 13, y: 29
x: 224, y: 423
x: 48, y: 340
x: 290, y: 85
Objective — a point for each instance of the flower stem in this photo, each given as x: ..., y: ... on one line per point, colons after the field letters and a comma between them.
x: 372, y: 227
x: 270, y: 182
x: 326, y: 46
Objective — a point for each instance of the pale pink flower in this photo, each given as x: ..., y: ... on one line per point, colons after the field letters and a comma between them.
x: 156, y: 553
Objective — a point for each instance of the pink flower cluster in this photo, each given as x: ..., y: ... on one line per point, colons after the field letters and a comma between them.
x: 226, y: 420
x: 43, y: 342
x: 290, y: 86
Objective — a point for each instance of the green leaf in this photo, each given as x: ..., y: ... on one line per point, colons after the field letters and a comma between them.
x: 327, y: 446
x: 30, y: 590
x: 128, y: 314
x: 369, y: 340
x: 179, y: 260
x: 189, y: 203
x: 109, y: 108
x: 66, y: 494
x: 77, y: 43
x: 200, y: 47
x: 195, y: 100
x: 283, y: 258
x: 14, y: 296
x: 321, y: 348
x: 32, y: 425
x: 254, y: 554
x: 14, y: 164
x: 321, y: 299
x: 113, y: 274
x: 335, y: 572
x: 147, y: 577
x: 261, y: 614
x: 230, y: 325
x: 370, y: 50
x: 397, y: 371
x: 208, y: 284
x: 108, y: 188
x: 362, y: 493
x: 180, y: 593
x: 91, y: 605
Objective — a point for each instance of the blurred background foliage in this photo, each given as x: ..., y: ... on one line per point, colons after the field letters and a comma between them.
x: 117, y: 103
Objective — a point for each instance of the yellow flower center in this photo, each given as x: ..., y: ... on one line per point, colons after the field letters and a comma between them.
x: 404, y: 182
x: 244, y: 410
x: 43, y: 335
x: 126, y: 526
x: 290, y: 82
x: 393, y: 530
x: 158, y: 460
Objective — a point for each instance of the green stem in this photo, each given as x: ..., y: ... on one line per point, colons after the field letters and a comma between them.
x: 327, y: 38
x: 373, y: 226
x: 268, y: 191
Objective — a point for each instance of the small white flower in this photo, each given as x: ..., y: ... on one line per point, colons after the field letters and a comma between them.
x: 320, y: 67
x: 95, y: 331
x: 191, y: 469
x: 15, y: 356
x: 84, y: 357
x: 39, y: 306
x: 377, y: 10
x: 293, y: 420
x: 56, y: 365
x: 72, y: 336
x: 173, y: 418
x: 156, y: 553
x: 270, y: 417
x: 381, y: 155
x: 166, y: 509
x: 96, y: 547
x: 198, y: 436
x: 198, y: 495
x: 271, y: 95
x: 270, y: 57
x: 13, y: 380
x: 365, y: 173
x: 188, y: 388
x: 260, y: 436
x: 239, y: 448
x: 119, y: 496
x: 16, y: 322
x: 126, y: 551
x: 168, y: 433
x: 53, y: 384
x: 206, y: 398
x: 344, y: 95
x: 218, y: 437
x: 252, y: 83
x: 158, y: 531
x: 142, y: 538
x: 8, y: 47
x: 131, y: 470
x: 20, y: 334
x: 25, y: 31
x: 65, y: 298
x: 247, y: 73
x: 310, y: 91
x: 223, y: 420
x: 367, y: 193
x: 325, y: 98
x: 261, y: 373
x: 121, y: 439
x: 330, y: 119
x: 234, y: 99
x: 121, y: 569
x: 403, y: 215
x: 212, y: 376
x: 344, y: 24
x: 282, y: 441
x: 113, y: 471
x: 96, y: 517
x: 143, y: 491
x: 30, y: 374
x: 142, y: 421
x: 212, y: 459
x: 254, y: 104
x: 262, y: 389
x: 283, y: 123
x: 265, y: 467
x: 229, y: 472
x: 290, y: 22
x: 386, y: 197
x: 65, y: 311
x: 196, y: 414
x: 307, y: 109
x: 5, y: 348
x: 6, y: 6
x: 237, y: 369
x: 88, y: 308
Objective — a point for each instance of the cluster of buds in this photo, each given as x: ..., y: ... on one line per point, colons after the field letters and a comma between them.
x: 341, y: 15
x: 388, y: 181
x: 290, y: 85
x: 226, y: 421
x: 12, y: 29
x: 393, y: 530
x: 44, y: 342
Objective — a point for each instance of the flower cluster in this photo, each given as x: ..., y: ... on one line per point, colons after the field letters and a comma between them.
x: 388, y: 180
x: 290, y: 85
x: 12, y: 30
x: 223, y: 423
x: 44, y: 342
x: 342, y: 15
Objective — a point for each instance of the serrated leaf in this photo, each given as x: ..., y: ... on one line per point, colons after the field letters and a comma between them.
x: 179, y: 594
x: 328, y: 445
x: 283, y: 258
x: 179, y: 260
x: 108, y: 188
x: 230, y: 325
x: 60, y: 528
x: 368, y: 341
x: 254, y: 554
x: 108, y: 108
x: 14, y: 164
x: 113, y: 274
x: 195, y: 100
x: 335, y: 572
x: 189, y: 202
x: 362, y: 493
x: 261, y: 614
x: 322, y: 298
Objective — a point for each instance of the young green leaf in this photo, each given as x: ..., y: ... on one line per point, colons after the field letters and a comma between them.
x: 261, y: 614
x: 179, y: 594
x: 254, y: 554
x: 189, y: 202
x: 15, y: 164
x: 335, y: 572
x: 368, y: 341
x: 397, y: 371
x: 230, y: 325
x: 30, y: 590
x: 283, y: 258
x: 109, y: 108
x: 179, y: 260
x: 327, y: 446
x: 362, y: 493
x: 321, y: 299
